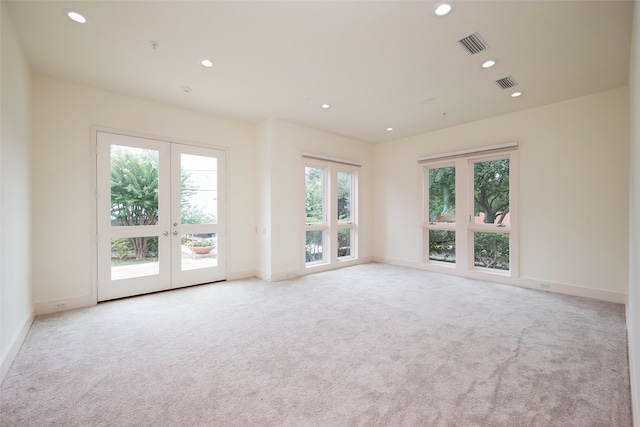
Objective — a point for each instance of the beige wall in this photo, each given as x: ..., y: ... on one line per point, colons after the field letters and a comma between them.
x: 633, y: 307
x: 263, y: 185
x: 573, y: 173
x: 16, y: 307
x: 285, y: 227
x: 573, y: 190
x: 63, y: 115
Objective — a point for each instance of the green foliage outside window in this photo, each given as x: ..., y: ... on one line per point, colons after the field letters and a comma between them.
x: 442, y: 245
x: 344, y: 196
x: 491, y: 190
x: 314, y: 198
x: 134, y: 199
x: 491, y: 198
x: 442, y: 194
x: 491, y: 250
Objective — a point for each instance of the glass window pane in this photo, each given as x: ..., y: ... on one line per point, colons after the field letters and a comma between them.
x: 199, y: 189
x: 442, y: 245
x: 134, y: 257
x: 314, y: 246
x: 199, y: 251
x: 442, y: 194
x: 344, y: 242
x: 314, y: 185
x: 134, y: 186
x: 344, y: 196
x: 491, y: 250
x: 491, y: 192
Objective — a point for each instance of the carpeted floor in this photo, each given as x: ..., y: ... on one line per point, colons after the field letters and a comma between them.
x: 371, y: 345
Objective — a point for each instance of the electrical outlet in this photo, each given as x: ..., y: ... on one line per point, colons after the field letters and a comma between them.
x: 59, y: 305
x: 545, y: 286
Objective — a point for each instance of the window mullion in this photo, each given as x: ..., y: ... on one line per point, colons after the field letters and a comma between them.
x: 332, y: 208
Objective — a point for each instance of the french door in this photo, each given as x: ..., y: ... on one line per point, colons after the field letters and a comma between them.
x: 160, y: 215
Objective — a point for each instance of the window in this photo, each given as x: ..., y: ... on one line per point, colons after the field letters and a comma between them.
x: 316, y: 218
x: 346, y: 225
x: 441, y: 208
x: 491, y: 201
x: 331, y: 229
x: 470, y: 211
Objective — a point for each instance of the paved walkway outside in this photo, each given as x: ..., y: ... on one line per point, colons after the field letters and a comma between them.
x: 189, y: 262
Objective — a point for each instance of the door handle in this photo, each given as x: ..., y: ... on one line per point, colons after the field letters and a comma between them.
x: 166, y: 233
x: 175, y: 233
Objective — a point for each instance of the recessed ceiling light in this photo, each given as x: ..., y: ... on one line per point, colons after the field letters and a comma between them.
x: 489, y: 63
x: 75, y: 16
x: 325, y: 106
x: 389, y: 129
x: 516, y: 94
x: 443, y: 8
x: 207, y: 63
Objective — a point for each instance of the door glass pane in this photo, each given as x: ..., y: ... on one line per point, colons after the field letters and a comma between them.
x: 442, y: 245
x: 344, y: 197
x: 199, y: 189
x: 199, y: 251
x: 442, y: 194
x: 134, y: 257
x: 344, y: 242
x: 314, y: 246
x: 491, y: 250
x: 134, y: 186
x: 491, y: 192
x: 314, y: 198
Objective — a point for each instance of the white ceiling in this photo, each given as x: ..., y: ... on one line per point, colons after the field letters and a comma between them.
x: 378, y: 63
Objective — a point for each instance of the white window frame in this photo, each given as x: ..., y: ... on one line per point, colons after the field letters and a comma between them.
x: 429, y: 225
x: 330, y: 226
x: 510, y: 228
x: 464, y: 225
x: 324, y: 225
x: 351, y: 225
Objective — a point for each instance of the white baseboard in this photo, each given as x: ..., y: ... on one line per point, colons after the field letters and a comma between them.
x: 237, y: 275
x: 263, y: 275
x: 283, y: 275
x: 341, y: 264
x: 575, y: 290
x: 561, y: 288
x: 52, y: 306
x: 366, y: 259
x: 14, y: 347
x: 290, y: 274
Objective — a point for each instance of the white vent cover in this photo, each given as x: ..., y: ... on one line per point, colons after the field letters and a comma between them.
x: 506, y: 82
x: 473, y: 43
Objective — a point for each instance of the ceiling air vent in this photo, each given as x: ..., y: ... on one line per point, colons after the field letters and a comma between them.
x: 473, y: 43
x: 506, y: 82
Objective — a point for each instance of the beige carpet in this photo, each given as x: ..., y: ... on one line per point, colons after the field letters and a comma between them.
x: 372, y: 345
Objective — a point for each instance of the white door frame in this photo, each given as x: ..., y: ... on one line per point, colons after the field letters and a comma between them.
x: 94, y: 195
